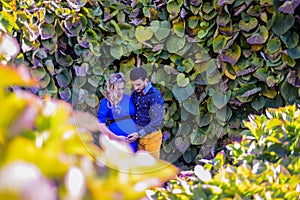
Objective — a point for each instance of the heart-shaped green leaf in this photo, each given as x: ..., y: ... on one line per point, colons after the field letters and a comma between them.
x: 282, y: 23
x: 192, y: 106
x: 207, y: 7
x: 92, y: 100
x: 198, y: 138
x: 63, y: 59
x: 79, y: 81
x: 40, y: 54
x: 189, y: 64
x: 50, y: 44
x: 175, y: 43
x: 181, y: 144
x: 294, y: 52
x: 290, y: 39
x: 181, y: 93
x: 179, y: 28
x: 273, y: 45
x: 232, y: 54
x: 38, y: 73
x: 205, y: 119
x: 261, y: 74
x: 224, y: 114
x: 210, y: 16
x: 181, y: 80
x: 163, y: 77
x: 47, y: 31
x: 257, y: 62
x: 161, y: 29
x: 65, y: 93
x: 117, y: 51
x: 63, y: 78
x: 219, y: 43
x: 260, y: 37
x: 254, y: 10
x: 44, y: 82
x: 288, y: 60
x: 213, y: 76
x: 249, y: 25
x: 289, y: 92
x: 223, y: 19
x: 91, y: 35
x: 220, y: 99
x: 143, y: 33
x: 258, y: 103
x: 173, y: 7
x: 189, y: 155
x: 94, y: 80
x: 193, y: 21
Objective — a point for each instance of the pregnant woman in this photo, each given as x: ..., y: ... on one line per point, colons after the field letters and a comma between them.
x: 116, y: 111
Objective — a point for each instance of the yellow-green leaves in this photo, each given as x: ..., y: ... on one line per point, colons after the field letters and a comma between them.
x: 174, y: 7
x: 248, y: 25
x: 273, y: 45
x: 143, y: 33
x: 11, y: 76
x: 8, y: 21
x: 259, y: 37
x: 175, y: 43
x: 161, y: 29
x: 182, y: 81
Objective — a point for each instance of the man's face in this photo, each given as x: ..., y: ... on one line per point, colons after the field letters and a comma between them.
x: 139, y: 84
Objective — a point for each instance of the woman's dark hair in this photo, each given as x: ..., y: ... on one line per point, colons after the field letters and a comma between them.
x: 138, y: 73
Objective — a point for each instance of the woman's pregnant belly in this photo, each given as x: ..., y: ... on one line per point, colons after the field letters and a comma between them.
x: 123, y: 127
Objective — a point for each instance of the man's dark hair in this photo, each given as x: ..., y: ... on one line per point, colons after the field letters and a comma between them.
x: 138, y: 73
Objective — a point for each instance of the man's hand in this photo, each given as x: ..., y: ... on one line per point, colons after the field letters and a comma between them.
x: 132, y: 137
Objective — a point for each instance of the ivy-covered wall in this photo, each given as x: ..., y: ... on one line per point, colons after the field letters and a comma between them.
x: 214, y: 61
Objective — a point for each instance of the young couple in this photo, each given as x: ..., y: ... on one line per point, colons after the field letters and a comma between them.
x: 136, y: 119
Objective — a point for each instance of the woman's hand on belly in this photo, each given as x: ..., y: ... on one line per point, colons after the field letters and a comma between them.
x: 121, y: 138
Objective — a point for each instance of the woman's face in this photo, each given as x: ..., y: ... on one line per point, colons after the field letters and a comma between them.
x: 120, y: 87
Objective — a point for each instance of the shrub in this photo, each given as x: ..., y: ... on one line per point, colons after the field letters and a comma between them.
x: 265, y: 164
x: 272, y: 137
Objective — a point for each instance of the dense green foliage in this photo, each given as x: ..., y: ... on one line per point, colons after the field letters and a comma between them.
x: 216, y: 62
x: 264, y: 165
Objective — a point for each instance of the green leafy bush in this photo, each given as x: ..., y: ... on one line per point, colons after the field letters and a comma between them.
x: 261, y: 181
x: 265, y: 164
x: 272, y: 137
